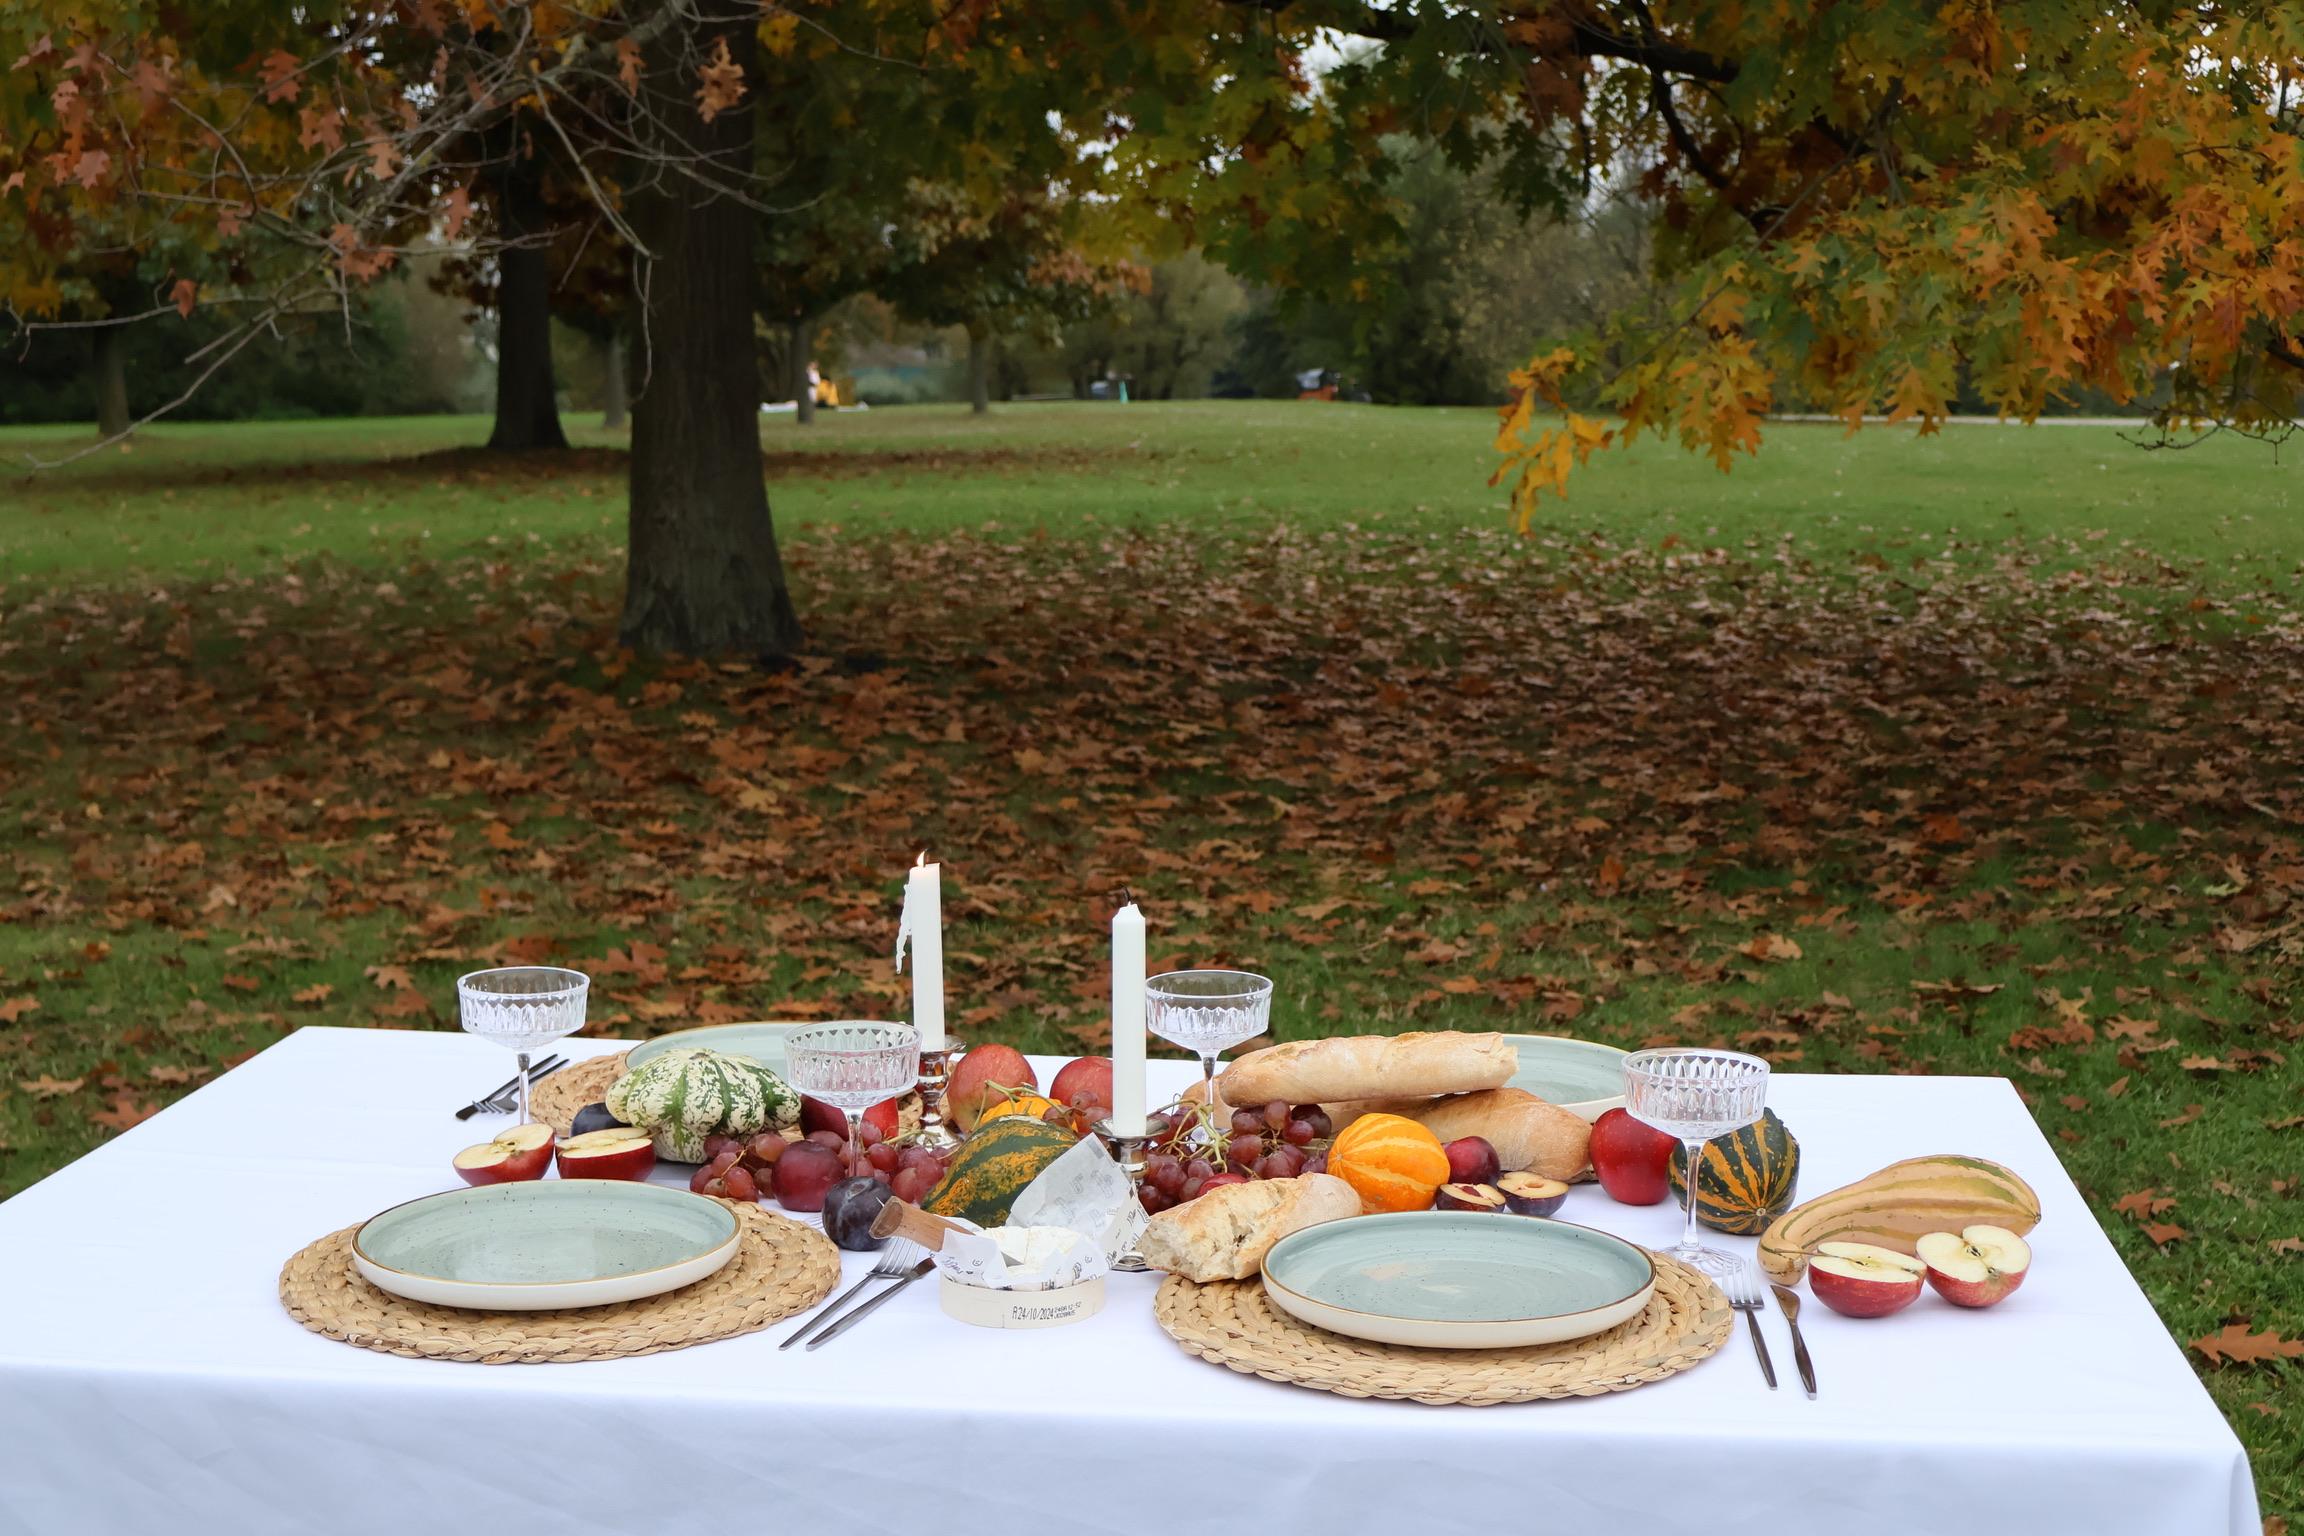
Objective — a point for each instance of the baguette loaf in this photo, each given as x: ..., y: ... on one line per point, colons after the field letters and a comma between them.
x: 1369, y: 1067
x: 1225, y: 1234
x: 1527, y: 1132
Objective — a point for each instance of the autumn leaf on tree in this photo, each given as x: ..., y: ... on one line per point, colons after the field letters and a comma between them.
x: 720, y: 82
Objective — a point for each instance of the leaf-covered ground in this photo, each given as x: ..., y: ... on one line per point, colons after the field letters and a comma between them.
x: 1874, y: 801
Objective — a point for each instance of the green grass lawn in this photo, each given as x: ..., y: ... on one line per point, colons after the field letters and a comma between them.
x: 180, y: 499
x: 1975, y: 753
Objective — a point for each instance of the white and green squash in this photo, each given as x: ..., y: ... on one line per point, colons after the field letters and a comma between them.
x: 683, y: 1096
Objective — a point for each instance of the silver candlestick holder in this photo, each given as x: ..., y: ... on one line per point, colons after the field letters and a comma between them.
x: 935, y: 1078
x: 1128, y: 1152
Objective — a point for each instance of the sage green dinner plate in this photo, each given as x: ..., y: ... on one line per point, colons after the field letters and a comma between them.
x: 1580, y: 1075
x: 762, y: 1042
x: 1458, y: 1279
x: 545, y: 1243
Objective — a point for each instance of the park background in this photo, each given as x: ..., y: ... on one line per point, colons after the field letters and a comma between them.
x: 1969, y: 750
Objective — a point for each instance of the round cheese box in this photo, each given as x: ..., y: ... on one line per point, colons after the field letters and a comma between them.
x: 989, y: 1308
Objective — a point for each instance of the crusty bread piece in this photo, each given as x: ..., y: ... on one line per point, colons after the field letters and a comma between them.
x: 1370, y: 1067
x: 1225, y: 1234
x: 1527, y: 1132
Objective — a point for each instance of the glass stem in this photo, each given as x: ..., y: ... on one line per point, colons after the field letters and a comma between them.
x: 1688, y: 1240
x: 523, y: 1087
x: 1208, y: 1090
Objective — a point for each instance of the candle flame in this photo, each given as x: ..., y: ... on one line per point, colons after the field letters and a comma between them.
x: 922, y: 861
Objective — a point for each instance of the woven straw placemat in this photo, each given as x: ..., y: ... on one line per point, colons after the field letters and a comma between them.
x: 781, y: 1268
x: 1232, y: 1323
x: 556, y: 1100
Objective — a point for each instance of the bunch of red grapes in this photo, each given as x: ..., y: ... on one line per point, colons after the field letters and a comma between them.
x: 1192, y: 1151
x: 798, y: 1170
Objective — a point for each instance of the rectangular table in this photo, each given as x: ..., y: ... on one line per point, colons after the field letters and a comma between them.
x: 149, y: 1380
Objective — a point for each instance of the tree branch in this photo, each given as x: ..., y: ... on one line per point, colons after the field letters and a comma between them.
x: 1587, y: 39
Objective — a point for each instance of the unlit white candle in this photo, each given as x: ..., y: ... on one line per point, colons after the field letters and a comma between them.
x: 924, y: 924
x: 1128, y: 1021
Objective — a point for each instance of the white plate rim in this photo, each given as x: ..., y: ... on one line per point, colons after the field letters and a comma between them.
x: 682, y: 1039
x: 1587, y: 1110
x: 1489, y: 1333
x: 544, y: 1295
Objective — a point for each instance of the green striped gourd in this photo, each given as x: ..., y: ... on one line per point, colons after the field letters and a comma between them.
x: 992, y: 1167
x: 683, y: 1096
x: 1744, y: 1179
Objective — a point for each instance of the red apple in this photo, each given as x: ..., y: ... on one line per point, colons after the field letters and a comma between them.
x: 1473, y: 1160
x: 1090, y: 1075
x: 1632, y: 1158
x: 622, y: 1153
x: 1864, y: 1279
x: 1976, y: 1266
x: 984, y: 1077
x: 882, y: 1115
x: 520, y: 1154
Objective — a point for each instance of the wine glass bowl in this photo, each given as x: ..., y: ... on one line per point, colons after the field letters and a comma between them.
x: 852, y: 1064
x: 1208, y: 1012
x: 522, y: 1008
x: 1695, y: 1094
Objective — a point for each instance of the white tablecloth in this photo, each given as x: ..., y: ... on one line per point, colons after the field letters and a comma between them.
x: 150, y: 1382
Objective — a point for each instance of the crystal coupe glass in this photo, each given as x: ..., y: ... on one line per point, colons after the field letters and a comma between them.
x: 852, y: 1065
x: 1696, y: 1094
x: 523, y: 1008
x: 1208, y: 1012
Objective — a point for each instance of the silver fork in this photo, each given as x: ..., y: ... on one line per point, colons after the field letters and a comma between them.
x: 1744, y: 1295
x: 507, y: 1098
x: 895, y: 1262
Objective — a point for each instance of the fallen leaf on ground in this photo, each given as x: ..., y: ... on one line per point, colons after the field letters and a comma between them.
x: 2237, y: 1345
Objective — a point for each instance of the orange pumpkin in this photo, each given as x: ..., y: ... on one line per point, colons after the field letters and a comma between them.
x: 1394, y: 1163
x: 1032, y: 1105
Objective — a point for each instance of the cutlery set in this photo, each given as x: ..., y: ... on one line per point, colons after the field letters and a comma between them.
x: 1743, y: 1288
x: 506, y: 1096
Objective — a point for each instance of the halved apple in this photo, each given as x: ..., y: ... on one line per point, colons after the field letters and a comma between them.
x: 1864, y: 1279
x: 521, y: 1153
x: 1976, y: 1266
x: 617, y: 1153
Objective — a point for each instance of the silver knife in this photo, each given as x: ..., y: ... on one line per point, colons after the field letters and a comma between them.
x: 1789, y: 1300
x: 859, y: 1313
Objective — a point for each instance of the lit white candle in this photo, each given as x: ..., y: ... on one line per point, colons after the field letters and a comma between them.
x: 923, y: 924
x: 1128, y: 1021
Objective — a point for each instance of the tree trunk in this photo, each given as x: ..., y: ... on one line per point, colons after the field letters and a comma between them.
x: 979, y: 369
x: 615, y: 396
x: 704, y: 575
x: 112, y: 418
x: 527, y: 412
x: 803, y: 340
